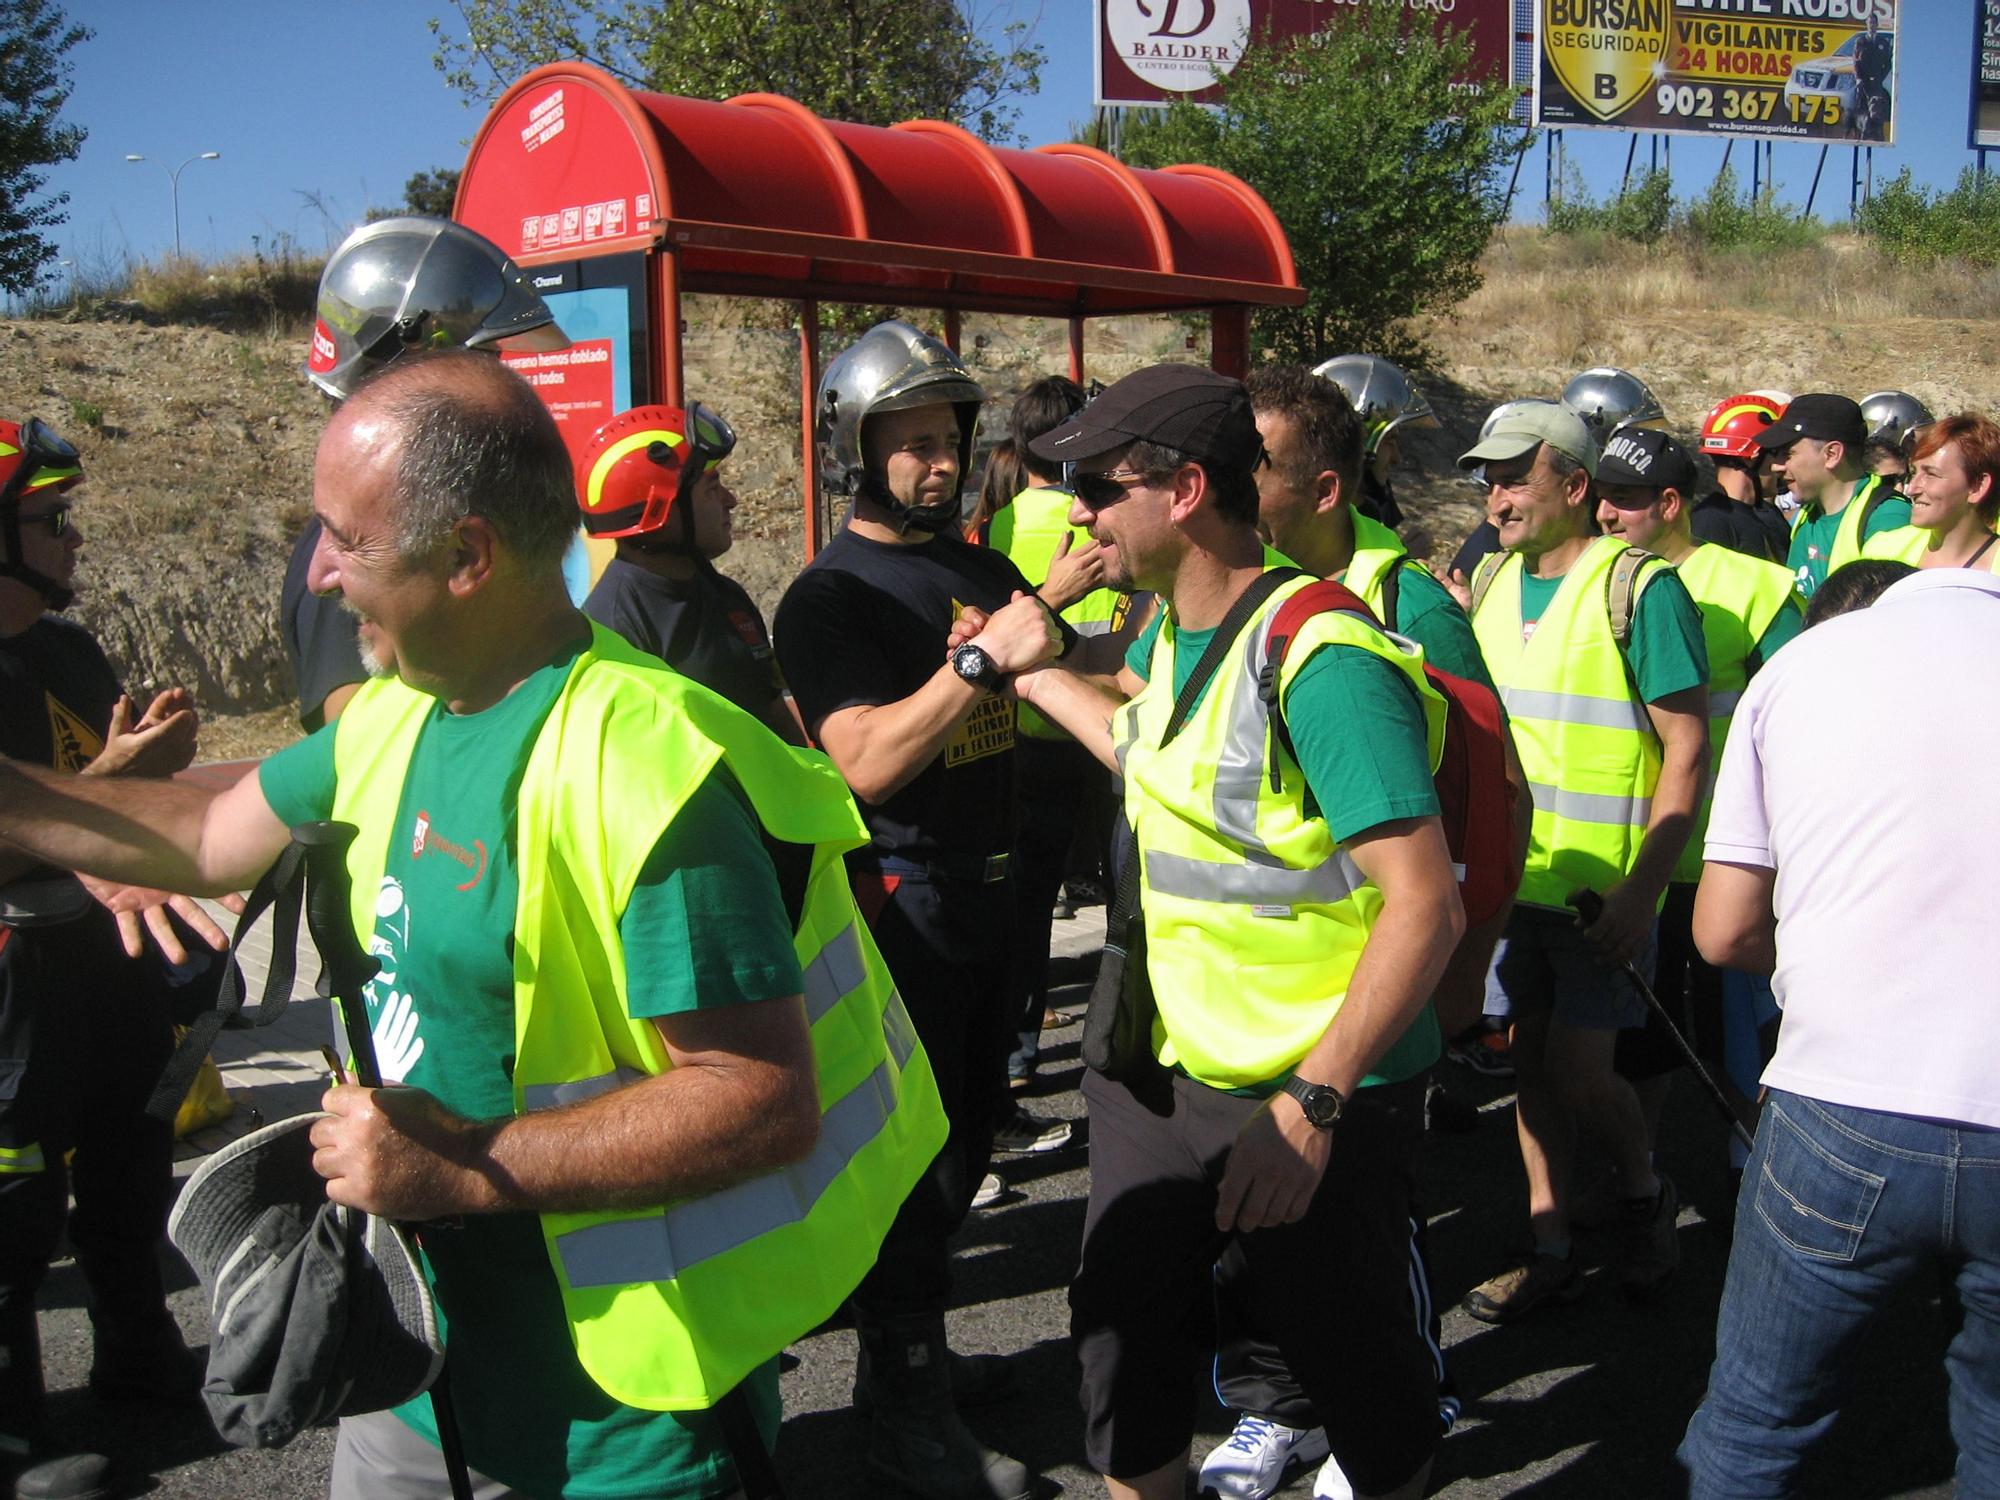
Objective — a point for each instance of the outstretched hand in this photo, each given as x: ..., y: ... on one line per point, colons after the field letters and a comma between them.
x: 141, y: 910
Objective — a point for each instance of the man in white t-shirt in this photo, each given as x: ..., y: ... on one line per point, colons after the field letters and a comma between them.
x: 1878, y: 1159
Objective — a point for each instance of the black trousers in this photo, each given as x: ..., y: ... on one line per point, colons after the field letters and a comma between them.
x: 84, y: 1033
x: 1688, y: 987
x: 1334, y: 1287
x: 949, y: 945
x: 1057, y: 779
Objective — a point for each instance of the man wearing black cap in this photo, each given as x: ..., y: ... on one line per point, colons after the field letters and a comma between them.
x: 1818, y: 447
x: 1748, y: 610
x: 1298, y: 908
x: 1597, y: 650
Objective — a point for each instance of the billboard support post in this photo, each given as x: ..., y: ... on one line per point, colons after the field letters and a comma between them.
x: 1727, y: 147
x: 1527, y: 138
x: 1813, y: 191
x: 1625, y: 178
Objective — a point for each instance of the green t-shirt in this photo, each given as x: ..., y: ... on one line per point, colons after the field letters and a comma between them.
x: 1667, y: 652
x: 1358, y: 728
x: 1428, y: 615
x: 1785, y: 624
x: 705, y: 927
x: 1813, y: 538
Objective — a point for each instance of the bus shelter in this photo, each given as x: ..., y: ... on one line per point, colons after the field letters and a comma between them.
x: 618, y: 202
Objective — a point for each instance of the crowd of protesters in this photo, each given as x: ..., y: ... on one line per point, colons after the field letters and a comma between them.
x: 740, y: 1000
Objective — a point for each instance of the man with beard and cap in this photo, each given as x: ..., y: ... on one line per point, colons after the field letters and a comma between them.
x: 928, y: 745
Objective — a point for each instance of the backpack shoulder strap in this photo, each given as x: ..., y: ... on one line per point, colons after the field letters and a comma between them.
x: 1627, y: 579
x: 1482, y: 579
x: 1392, y: 592
x: 1290, y: 619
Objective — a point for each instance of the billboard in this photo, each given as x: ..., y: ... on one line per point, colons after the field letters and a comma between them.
x: 1984, y: 131
x: 1811, y: 70
x: 1157, y: 51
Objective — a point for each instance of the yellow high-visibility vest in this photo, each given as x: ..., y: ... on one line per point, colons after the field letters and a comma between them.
x: 1586, y: 741
x: 671, y: 1306
x: 1254, y: 917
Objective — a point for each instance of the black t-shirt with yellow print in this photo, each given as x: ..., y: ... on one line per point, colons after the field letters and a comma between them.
x: 866, y: 623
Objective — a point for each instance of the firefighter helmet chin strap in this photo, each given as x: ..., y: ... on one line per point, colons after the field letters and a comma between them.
x: 929, y: 519
x: 56, y: 595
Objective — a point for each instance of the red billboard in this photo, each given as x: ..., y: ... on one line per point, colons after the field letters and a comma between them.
x: 1157, y: 51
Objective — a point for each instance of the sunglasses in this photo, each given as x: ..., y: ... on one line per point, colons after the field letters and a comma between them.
x: 57, y: 521
x: 40, y: 449
x: 1099, y: 490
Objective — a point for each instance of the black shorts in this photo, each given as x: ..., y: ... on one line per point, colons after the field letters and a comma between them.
x: 1334, y: 1287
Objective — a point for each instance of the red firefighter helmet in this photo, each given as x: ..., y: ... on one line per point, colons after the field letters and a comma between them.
x: 640, y: 462
x: 1729, y: 430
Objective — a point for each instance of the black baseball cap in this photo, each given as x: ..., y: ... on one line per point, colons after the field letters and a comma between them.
x: 1821, y: 416
x: 1646, y: 458
x: 1187, y: 407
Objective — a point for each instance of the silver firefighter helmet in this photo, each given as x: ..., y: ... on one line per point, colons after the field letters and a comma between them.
x: 891, y: 367
x: 1608, y: 399
x: 419, y: 283
x: 1380, y: 393
x: 1889, y: 416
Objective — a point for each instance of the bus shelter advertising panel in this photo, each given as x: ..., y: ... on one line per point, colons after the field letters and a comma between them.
x: 1157, y: 51
x: 1985, y: 132
x: 1811, y: 70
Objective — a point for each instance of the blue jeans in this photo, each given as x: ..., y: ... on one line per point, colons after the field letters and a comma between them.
x: 1840, y: 1206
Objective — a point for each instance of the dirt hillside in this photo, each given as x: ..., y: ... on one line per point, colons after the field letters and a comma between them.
x: 198, y: 443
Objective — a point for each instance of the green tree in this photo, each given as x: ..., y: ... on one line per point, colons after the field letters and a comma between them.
x: 1385, y: 174
x: 431, y: 192
x: 35, y: 40
x: 871, y: 61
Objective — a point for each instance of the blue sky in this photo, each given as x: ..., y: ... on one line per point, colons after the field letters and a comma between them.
x: 321, y: 110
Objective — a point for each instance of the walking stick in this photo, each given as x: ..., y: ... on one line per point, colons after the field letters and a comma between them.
x: 1590, y: 906
x: 349, y: 967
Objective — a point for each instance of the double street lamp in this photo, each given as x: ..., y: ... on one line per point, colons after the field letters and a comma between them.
x: 174, y: 184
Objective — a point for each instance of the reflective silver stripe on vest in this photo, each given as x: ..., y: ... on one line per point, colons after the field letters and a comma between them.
x: 660, y: 1248
x: 1130, y: 715
x: 1257, y: 884
x: 1592, y: 807
x: 836, y: 972
x: 549, y: 1095
x: 1089, y: 628
x: 1721, y: 705
x: 1241, y: 766
x: 1576, y: 708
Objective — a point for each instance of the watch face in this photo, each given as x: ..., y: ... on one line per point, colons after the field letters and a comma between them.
x: 972, y: 664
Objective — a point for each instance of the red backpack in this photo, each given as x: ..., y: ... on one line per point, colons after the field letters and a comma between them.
x: 1474, y: 799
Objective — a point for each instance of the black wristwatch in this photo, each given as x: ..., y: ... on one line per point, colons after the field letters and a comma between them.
x: 1322, y: 1102
x: 977, y: 668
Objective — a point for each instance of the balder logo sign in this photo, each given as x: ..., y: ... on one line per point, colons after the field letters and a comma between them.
x: 1180, y: 45
x: 1607, y: 53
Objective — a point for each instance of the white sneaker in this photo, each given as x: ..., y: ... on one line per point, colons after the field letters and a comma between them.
x: 1250, y: 1463
x: 1332, y: 1484
x: 990, y: 1191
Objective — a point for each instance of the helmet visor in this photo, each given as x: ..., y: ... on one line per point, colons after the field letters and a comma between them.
x: 45, y: 457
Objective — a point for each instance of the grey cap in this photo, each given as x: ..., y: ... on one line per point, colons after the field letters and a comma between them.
x: 1526, y: 428
x: 315, y: 1311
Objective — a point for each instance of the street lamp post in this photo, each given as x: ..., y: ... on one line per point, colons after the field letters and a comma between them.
x: 174, y: 185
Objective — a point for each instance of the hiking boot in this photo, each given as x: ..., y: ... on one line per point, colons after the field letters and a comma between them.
x: 976, y: 1380
x: 1251, y: 1462
x: 1514, y: 1293
x: 77, y: 1476
x: 915, y: 1438
x: 1652, y: 1245
x: 1024, y: 1133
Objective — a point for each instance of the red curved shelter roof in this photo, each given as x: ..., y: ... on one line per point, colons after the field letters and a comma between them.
x: 759, y: 196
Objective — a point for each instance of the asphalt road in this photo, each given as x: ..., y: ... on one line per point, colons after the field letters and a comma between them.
x: 1581, y: 1403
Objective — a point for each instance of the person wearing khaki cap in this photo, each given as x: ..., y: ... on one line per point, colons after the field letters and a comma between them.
x: 1817, y: 444
x: 1597, y: 650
